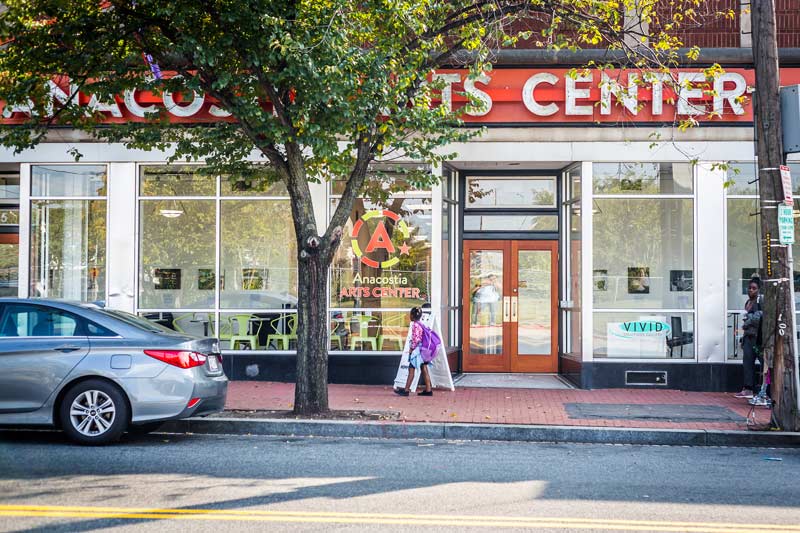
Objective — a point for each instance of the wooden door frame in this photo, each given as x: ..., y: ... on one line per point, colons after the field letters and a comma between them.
x: 509, y: 360
x: 536, y: 363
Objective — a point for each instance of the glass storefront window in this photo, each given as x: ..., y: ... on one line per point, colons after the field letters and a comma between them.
x: 68, y: 180
x: 572, y: 315
x: 518, y: 191
x: 511, y: 223
x: 264, y: 186
x: 643, y: 253
x: 9, y: 258
x: 68, y: 249
x: 9, y: 181
x: 743, y: 248
x: 258, y: 255
x: 161, y: 180
x: 368, y: 330
x: 643, y: 335
x: 176, y: 272
x: 384, y: 260
x: 9, y: 216
x: 643, y: 260
x: 236, y: 276
x: 642, y: 178
x: 389, y: 177
x: 741, y: 179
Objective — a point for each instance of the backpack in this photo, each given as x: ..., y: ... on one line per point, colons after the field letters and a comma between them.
x: 429, y: 346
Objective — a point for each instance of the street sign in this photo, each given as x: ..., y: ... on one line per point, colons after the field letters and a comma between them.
x: 786, y: 180
x: 786, y: 224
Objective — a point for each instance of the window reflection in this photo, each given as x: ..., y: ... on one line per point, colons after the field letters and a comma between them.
x: 258, y: 257
x: 522, y: 192
x: 68, y: 249
x: 384, y: 260
x: 176, y: 271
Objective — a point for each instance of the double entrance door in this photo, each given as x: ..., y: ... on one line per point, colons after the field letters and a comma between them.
x: 510, y: 314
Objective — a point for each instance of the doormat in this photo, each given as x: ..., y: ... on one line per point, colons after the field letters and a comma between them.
x: 512, y: 381
x: 667, y: 412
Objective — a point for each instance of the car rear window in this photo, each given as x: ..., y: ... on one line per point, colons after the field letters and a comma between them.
x: 135, y: 321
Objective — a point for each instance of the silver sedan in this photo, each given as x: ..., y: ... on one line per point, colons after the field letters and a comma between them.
x: 97, y: 373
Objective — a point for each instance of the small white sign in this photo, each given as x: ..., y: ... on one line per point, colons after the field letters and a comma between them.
x: 786, y: 224
x: 786, y: 180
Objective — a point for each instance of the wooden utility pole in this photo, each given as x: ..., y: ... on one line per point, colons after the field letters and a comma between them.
x: 777, y: 327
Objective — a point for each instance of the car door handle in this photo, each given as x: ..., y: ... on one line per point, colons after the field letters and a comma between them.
x: 67, y: 348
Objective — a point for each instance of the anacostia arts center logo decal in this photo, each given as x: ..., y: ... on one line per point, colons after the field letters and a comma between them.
x: 393, y: 285
x: 380, y: 238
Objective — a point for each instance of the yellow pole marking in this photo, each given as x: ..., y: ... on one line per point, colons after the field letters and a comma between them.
x: 47, y: 511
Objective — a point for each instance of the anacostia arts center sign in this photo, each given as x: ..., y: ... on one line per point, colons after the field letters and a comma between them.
x: 380, y: 244
x: 509, y: 96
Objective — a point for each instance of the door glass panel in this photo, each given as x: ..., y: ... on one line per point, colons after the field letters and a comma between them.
x: 485, y: 307
x: 533, y: 313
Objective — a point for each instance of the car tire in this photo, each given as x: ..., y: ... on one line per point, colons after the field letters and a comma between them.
x: 94, y: 412
x: 144, y: 429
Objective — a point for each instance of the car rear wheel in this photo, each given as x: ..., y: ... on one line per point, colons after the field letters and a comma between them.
x: 94, y: 412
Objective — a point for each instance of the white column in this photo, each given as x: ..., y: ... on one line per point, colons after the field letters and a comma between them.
x: 435, y: 295
x: 710, y: 253
x: 24, y: 229
x: 122, y: 237
x: 587, y: 279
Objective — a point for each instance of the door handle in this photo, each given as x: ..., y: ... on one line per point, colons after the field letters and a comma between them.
x: 514, y: 300
x: 65, y: 348
x: 506, y: 306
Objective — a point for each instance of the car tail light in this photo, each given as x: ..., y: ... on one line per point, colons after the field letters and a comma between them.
x: 179, y: 358
x: 192, y: 403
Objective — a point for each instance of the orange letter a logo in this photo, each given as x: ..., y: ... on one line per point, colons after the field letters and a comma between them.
x: 380, y: 239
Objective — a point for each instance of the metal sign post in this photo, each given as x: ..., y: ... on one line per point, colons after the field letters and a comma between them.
x: 786, y: 231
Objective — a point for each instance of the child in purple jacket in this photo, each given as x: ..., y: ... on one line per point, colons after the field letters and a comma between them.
x: 414, y: 358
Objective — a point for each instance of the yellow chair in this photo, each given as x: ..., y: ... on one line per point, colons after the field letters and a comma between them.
x: 363, y: 335
x: 181, y: 322
x: 283, y: 338
x: 242, y: 323
x: 395, y: 322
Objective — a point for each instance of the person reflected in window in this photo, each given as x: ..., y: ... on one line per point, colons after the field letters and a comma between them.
x: 751, y: 338
x: 486, y: 297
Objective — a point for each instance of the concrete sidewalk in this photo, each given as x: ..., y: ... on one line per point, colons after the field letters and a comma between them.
x: 605, y: 408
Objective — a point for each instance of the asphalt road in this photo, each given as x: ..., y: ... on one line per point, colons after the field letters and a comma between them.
x: 234, y: 483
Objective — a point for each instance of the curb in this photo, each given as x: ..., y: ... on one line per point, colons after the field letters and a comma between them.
x: 479, y: 432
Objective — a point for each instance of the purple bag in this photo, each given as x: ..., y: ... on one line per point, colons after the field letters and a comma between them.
x: 429, y: 346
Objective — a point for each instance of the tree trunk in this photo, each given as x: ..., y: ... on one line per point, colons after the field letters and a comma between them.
x: 311, y: 389
x: 777, y: 332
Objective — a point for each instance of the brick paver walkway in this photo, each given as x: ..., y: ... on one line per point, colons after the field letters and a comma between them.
x: 496, y: 406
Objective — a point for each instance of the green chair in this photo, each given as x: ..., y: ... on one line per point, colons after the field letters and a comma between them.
x: 242, y: 326
x: 363, y: 335
x: 282, y: 340
x: 225, y: 330
x: 337, y: 338
x: 395, y: 323
x: 178, y: 322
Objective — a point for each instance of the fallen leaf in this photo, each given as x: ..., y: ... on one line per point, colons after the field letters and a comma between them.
x: 453, y: 415
x: 487, y: 417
